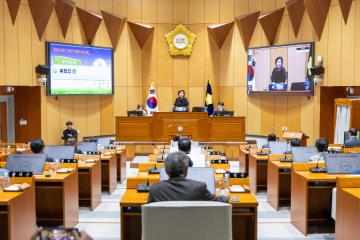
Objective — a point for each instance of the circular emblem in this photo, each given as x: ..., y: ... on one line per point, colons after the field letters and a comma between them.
x: 180, y: 41
x: 152, y: 102
x: 180, y: 128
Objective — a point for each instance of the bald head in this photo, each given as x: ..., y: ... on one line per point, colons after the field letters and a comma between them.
x: 176, y: 164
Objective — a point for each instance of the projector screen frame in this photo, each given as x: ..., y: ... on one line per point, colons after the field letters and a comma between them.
x: 48, y: 82
x: 279, y: 92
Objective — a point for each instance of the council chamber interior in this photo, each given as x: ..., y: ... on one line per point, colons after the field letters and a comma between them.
x: 179, y: 119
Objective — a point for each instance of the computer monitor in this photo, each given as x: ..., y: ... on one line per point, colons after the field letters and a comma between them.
x: 104, y: 141
x: 342, y: 163
x: 279, y: 147
x: 226, y: 113
x: 199, y: 109
x: 59, y: 152
x: 201, y: 174
x: 84, y: 147
x: 135, y: 113
x: 303, y: 154
x: 26, y: 163
x: 347, y: 136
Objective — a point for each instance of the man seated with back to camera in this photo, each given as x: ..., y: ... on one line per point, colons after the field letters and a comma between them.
x: 295, y: 142
x: 37, y: 147
x: 321, y: 145
x: 178, y: 187
x: 270, y: 138
x: 184, y: 146
x: 353, y: 141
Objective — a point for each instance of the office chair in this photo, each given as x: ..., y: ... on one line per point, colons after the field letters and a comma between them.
x: 190, y: 220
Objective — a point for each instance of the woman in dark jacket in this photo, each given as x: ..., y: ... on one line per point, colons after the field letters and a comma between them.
x: 279, y: 74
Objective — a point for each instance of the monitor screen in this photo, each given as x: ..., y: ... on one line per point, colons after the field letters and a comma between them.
x: 59, y: 152
x: 79, y: 70
x: 201, y: 174
x: 279, y: 147
x: 26, y: 163
x: 303, y: 154
x: 281, y: 70
x: 84, y: 147
x: 342, y: 163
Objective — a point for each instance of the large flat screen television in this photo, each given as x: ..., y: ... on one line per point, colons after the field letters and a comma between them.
x: 79, y: 70
x: 281, y: 70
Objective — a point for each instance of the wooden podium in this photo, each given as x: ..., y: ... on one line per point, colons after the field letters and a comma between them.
x: 163, y: 126
x: 287, y: 136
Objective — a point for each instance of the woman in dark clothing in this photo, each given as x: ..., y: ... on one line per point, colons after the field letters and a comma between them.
x: 279, y: 74
x: 181, y: 101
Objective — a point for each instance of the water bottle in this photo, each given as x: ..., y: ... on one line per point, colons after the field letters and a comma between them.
x: 8, y: 149
x: 6, y: 180
x: 226, y: 186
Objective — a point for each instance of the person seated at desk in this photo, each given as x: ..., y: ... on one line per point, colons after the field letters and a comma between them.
x: 178, y: 187
x: 220, y: 108
x: 140, y: 108
x: 353, y: 141
x: 295, y: 142
x: 69, y: 135
x: 181, y: 101
x: 321, y: 145
x: 37, y: 147
x: 270, y: 138
x: 184, y: 146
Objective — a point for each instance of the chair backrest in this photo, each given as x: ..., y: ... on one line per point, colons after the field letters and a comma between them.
x: 190, y: 220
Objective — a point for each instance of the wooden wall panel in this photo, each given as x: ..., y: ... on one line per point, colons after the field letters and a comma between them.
x: 80, y: 124
x: 92, y: 116
x: 165, y: 98
x: 347, y: 50
x: 196, y: 96
x: 212, y: 11
x: 267, y: 114
x: 164, y: 11
x: 226, y: 96
x: 149, y: 60
x: 24, y: 45
x: 356, y: 5
x: 241, y: 7
x: 197, y: 60
x: 2, y: 46
x: 180, y: 12
x: 334, y: 59
x: 148, y: 9
x: 11, y: 50
x: 66, y: 110
x: 134, y: 10
x: 53, y: 122
x: 165, y: 61
x: 196, y: 11
x: 227, y: 11
x: 107, y: 122
x: 293, y: 114
x: 280, y: 114
x: 227, y: 60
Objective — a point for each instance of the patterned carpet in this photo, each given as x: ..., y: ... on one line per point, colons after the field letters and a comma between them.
x: 104, y: 222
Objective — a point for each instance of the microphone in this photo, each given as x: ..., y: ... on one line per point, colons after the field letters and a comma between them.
x: 317, y: 169
x: 147, y: 183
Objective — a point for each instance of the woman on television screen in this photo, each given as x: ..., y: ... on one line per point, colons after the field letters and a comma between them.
x: 279, y: 74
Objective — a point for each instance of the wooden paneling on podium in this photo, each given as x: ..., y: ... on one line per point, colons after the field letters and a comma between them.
x: 163, y: 126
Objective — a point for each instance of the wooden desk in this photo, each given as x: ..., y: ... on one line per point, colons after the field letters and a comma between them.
x: 310, y: 201
x: 57, y: 199
x: 244, y: 215
x: 347, y: 208
x: 244, y: 161
x: 258, y: 172
x: 108, y: 173
x: 278, y: 184
x: 89, y: 184
x: 163, y: 126
x: 121, y: 165
x: 17, y: 214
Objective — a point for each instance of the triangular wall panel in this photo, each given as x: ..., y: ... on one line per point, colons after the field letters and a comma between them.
x: 345, y: 6
x: 41, y: 11
x: 90, y: 22
x: 220, y: 32
x: 318, y: 11
x: 13, y: 6
x: 114, y: 25
x: 64, y: 10
x: 141, y: 32
x: 246, y: 25
x: 296, y: 11
x: 270, y: 23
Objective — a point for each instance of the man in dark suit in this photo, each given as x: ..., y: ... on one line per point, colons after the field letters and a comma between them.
x: 353, y: 141
x: 220, y: 108
x: 177, y: 187
x: 184, y: 146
